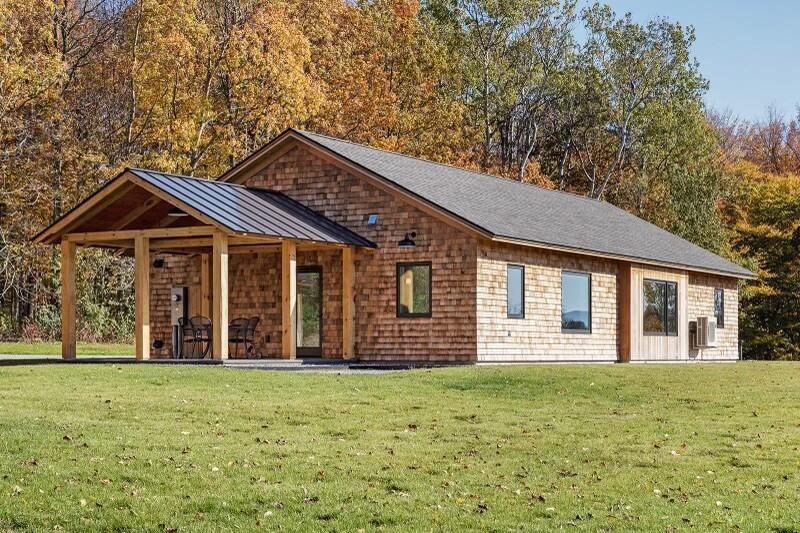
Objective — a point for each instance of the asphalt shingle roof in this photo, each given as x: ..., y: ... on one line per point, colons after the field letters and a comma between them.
x: 518, y: 211
x: 252, y: 210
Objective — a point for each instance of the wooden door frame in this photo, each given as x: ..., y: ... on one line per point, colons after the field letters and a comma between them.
x: 317, y: 351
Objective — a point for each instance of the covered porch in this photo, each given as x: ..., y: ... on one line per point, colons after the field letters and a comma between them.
x: 235, y: 248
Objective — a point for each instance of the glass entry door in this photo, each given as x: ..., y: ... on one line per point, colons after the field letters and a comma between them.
x: 309, y: 311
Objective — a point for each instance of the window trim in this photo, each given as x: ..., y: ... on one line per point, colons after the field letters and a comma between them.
x: 722, y: 291
x: 561, y: 318
x: 509, y: 267
x: 665, y: 320
x: 400, y: 265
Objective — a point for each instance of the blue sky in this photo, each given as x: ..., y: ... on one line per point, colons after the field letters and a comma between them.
x: 747, y: 49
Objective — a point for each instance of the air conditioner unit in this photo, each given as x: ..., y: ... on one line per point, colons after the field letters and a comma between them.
x: 706, y: 332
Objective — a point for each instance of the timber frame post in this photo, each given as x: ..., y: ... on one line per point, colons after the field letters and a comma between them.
x: 348, y: 303
x: 219, y: 318
x: 289, y: 299
x: 68, y: 300
x: 205, y: 285
x: 142, y: 296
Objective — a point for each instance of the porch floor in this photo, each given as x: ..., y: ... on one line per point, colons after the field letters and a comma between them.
x: 314, y: 364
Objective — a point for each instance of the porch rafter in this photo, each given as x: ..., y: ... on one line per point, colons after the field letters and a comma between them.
x: 136, y: 213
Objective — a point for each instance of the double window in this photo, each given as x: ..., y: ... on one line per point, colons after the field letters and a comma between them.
x: 515, y: 297
x: 576, y: 302
x: 414, y: 289
x: 719, y: 307
x: 660, y: 307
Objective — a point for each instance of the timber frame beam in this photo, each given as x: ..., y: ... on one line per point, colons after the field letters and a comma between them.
x: 202, y: 245
x: 118, y: 235
x: 134, y: 214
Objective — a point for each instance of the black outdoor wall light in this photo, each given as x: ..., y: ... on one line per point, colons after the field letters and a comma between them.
x: 408, y: 240
x: 158, y: 263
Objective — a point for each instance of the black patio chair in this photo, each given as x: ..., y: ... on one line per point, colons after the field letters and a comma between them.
x: 186, y: 337
x: 237, y: 335
x: 201, y: 331
x: 250, y: 336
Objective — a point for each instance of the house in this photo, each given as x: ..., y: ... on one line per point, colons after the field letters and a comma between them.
x: 346, y: 251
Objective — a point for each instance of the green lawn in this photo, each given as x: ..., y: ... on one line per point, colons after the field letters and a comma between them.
x: 54, y: 348
x: 625, y: 447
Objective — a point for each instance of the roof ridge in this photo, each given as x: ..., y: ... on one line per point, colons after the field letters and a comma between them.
x: 181, y: 176
x: 454, y: 167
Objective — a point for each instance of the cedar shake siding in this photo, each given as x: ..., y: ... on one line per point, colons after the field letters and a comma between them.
x: 469, y: 320
x: 538, y: 336
x: 254, y: 290
x: 178, y: 271
x: 449, y: 333
x: 701, y: 303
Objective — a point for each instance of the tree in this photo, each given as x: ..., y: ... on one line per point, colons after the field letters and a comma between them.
x: 387, y: 81
x: 633, y: 70
x: 768, y: 231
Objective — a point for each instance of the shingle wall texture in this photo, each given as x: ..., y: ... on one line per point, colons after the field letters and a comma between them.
x: 538, y: 336
x: 469, y: 317
x: 701, y: 303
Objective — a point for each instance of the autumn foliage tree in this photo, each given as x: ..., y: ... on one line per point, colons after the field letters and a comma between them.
x: 764, y: 219
x: 551, y: 92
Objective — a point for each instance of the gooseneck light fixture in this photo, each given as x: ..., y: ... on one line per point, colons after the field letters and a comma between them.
x: 408, y: 240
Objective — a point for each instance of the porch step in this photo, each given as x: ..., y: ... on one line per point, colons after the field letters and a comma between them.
x: 334, y: 365
x: 288, y: 364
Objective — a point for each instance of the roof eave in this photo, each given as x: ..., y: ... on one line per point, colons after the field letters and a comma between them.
x: 620, y: 257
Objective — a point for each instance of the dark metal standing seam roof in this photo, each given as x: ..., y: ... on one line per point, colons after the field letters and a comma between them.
x: 522, y: 212
x: 250, y: 210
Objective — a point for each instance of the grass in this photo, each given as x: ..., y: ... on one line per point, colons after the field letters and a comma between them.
x: 54, y: 348
x: 135, y: 447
